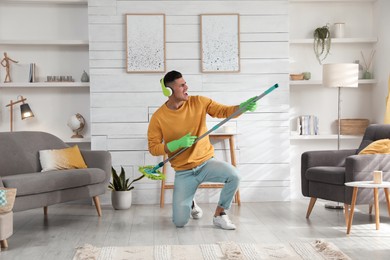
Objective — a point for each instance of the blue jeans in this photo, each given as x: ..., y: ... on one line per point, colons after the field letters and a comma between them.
x: 187, y: 181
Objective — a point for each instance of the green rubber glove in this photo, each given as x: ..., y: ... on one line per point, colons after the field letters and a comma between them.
x: 186, y: 141
x: 249, y: 105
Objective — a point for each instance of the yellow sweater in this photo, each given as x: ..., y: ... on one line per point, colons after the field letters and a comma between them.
x: 167, y: 125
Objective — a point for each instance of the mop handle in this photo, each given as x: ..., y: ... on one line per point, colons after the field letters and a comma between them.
x: 236, y: 113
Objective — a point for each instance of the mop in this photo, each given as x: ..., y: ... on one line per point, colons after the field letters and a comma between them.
x: 153, y: 173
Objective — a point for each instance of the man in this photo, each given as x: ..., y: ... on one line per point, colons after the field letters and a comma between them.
x: 176, y: 125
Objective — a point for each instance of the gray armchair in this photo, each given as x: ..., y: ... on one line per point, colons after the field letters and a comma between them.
x: 323, y: 173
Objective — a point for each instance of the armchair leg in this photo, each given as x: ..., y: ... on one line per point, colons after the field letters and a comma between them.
x: 370, y: 209
x: 4, y: 243
x: 97, y: 205
x: 45, y: 210
x: 311, y: 205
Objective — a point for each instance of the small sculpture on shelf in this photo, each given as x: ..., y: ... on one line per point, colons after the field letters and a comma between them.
x: 84, y: 77
x: 5, y: 62
x: 76, y: 122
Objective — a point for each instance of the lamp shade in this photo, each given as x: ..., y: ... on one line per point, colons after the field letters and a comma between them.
x: 340, y: 75
x: 26, y: 111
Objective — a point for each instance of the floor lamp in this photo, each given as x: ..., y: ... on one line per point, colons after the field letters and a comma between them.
x: 339, y: 75
x: 25, y: 110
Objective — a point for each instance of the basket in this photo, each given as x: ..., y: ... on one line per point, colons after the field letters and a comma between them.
x: 296, y: 76
x: 353, y: 126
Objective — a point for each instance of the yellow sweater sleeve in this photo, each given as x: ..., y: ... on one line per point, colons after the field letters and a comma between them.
x: 167, y: 125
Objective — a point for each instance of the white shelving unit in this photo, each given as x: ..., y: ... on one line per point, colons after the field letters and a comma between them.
x: 45, y: 85
x: 308, y: 96
x: 46, y: 42
x: 337, y: 40
x: 53, y: 34
x: 362, y: 82
x: 81, y: 2
x: 325, y: 137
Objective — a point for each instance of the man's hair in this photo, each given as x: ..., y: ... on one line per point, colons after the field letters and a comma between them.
x: 171, y: 77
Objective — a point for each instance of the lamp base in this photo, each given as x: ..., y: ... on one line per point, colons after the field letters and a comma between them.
x: 334, y: 205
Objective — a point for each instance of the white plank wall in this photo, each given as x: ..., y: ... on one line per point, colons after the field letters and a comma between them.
x: 122, y: 104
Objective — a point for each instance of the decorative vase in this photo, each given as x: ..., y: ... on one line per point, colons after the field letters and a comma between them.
x: 84, y: 77
x: 306, y: 75
x: 367, y: 75
x: 121, y: 199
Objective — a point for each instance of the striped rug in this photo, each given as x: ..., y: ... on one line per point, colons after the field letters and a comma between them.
x: 318, y: 249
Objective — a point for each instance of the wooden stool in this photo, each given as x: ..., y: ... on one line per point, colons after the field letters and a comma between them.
x: 216, y: 136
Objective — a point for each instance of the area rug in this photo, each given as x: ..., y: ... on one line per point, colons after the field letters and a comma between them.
x: 318, y: 249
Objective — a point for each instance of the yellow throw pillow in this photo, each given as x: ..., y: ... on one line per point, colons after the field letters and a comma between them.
x: 379, y: 146
x: 10, y: 194
x: 61, y: 159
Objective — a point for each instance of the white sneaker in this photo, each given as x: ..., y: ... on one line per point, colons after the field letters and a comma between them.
x: 224, y: 222
x: 196, y: 211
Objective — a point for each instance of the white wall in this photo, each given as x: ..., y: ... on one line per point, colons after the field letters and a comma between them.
x: 121, y: 103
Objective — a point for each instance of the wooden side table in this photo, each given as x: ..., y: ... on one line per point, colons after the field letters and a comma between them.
x: 213, y: 136
x: 368, y: 184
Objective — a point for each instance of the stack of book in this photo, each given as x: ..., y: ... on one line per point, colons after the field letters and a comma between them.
x: 307, y: 125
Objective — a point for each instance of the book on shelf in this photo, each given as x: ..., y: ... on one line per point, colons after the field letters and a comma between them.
x: 307, y: 125
x: 31, y: 77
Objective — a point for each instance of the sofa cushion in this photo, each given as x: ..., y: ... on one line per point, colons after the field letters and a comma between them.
x: 61, y: 159
x: 40, y: 182
x: 326, y: 174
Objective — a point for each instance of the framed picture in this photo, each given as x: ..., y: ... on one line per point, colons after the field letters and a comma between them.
x: 145, y: 43
x: 220, y: 42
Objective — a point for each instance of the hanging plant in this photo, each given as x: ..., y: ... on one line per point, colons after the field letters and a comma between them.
x: 322, y: 41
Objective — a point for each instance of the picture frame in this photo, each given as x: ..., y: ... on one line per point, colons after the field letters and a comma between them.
x: 220, y: 42
x: 145, y: 45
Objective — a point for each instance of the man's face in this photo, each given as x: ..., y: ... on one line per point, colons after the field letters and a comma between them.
x: 180, y: 88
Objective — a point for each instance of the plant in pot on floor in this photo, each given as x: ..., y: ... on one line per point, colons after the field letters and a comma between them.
x: 121, y: 187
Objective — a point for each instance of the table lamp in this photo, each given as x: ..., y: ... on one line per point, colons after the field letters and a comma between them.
x: 25, y: 110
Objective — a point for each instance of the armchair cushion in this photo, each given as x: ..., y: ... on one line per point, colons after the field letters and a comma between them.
x: 381, y: 146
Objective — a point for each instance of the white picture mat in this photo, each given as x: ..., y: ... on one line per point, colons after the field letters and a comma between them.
x: 220, y: 43
x: 145, y: 42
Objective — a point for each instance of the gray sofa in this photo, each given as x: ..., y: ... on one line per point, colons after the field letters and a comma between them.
x: 20, y: 168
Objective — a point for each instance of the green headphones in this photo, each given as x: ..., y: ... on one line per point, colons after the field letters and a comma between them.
x: 167, y: 91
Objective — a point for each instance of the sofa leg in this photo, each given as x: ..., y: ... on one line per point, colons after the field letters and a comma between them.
x: 311, y: 205
x: 45, y: 210
x: 4, y: 243
x: 97, y: 205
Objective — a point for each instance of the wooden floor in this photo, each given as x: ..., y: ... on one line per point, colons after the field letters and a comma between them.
x: 70, y: 225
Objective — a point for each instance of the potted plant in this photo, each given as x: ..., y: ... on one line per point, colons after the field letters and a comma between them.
x: 121, y: 189
x: 322, y: 42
